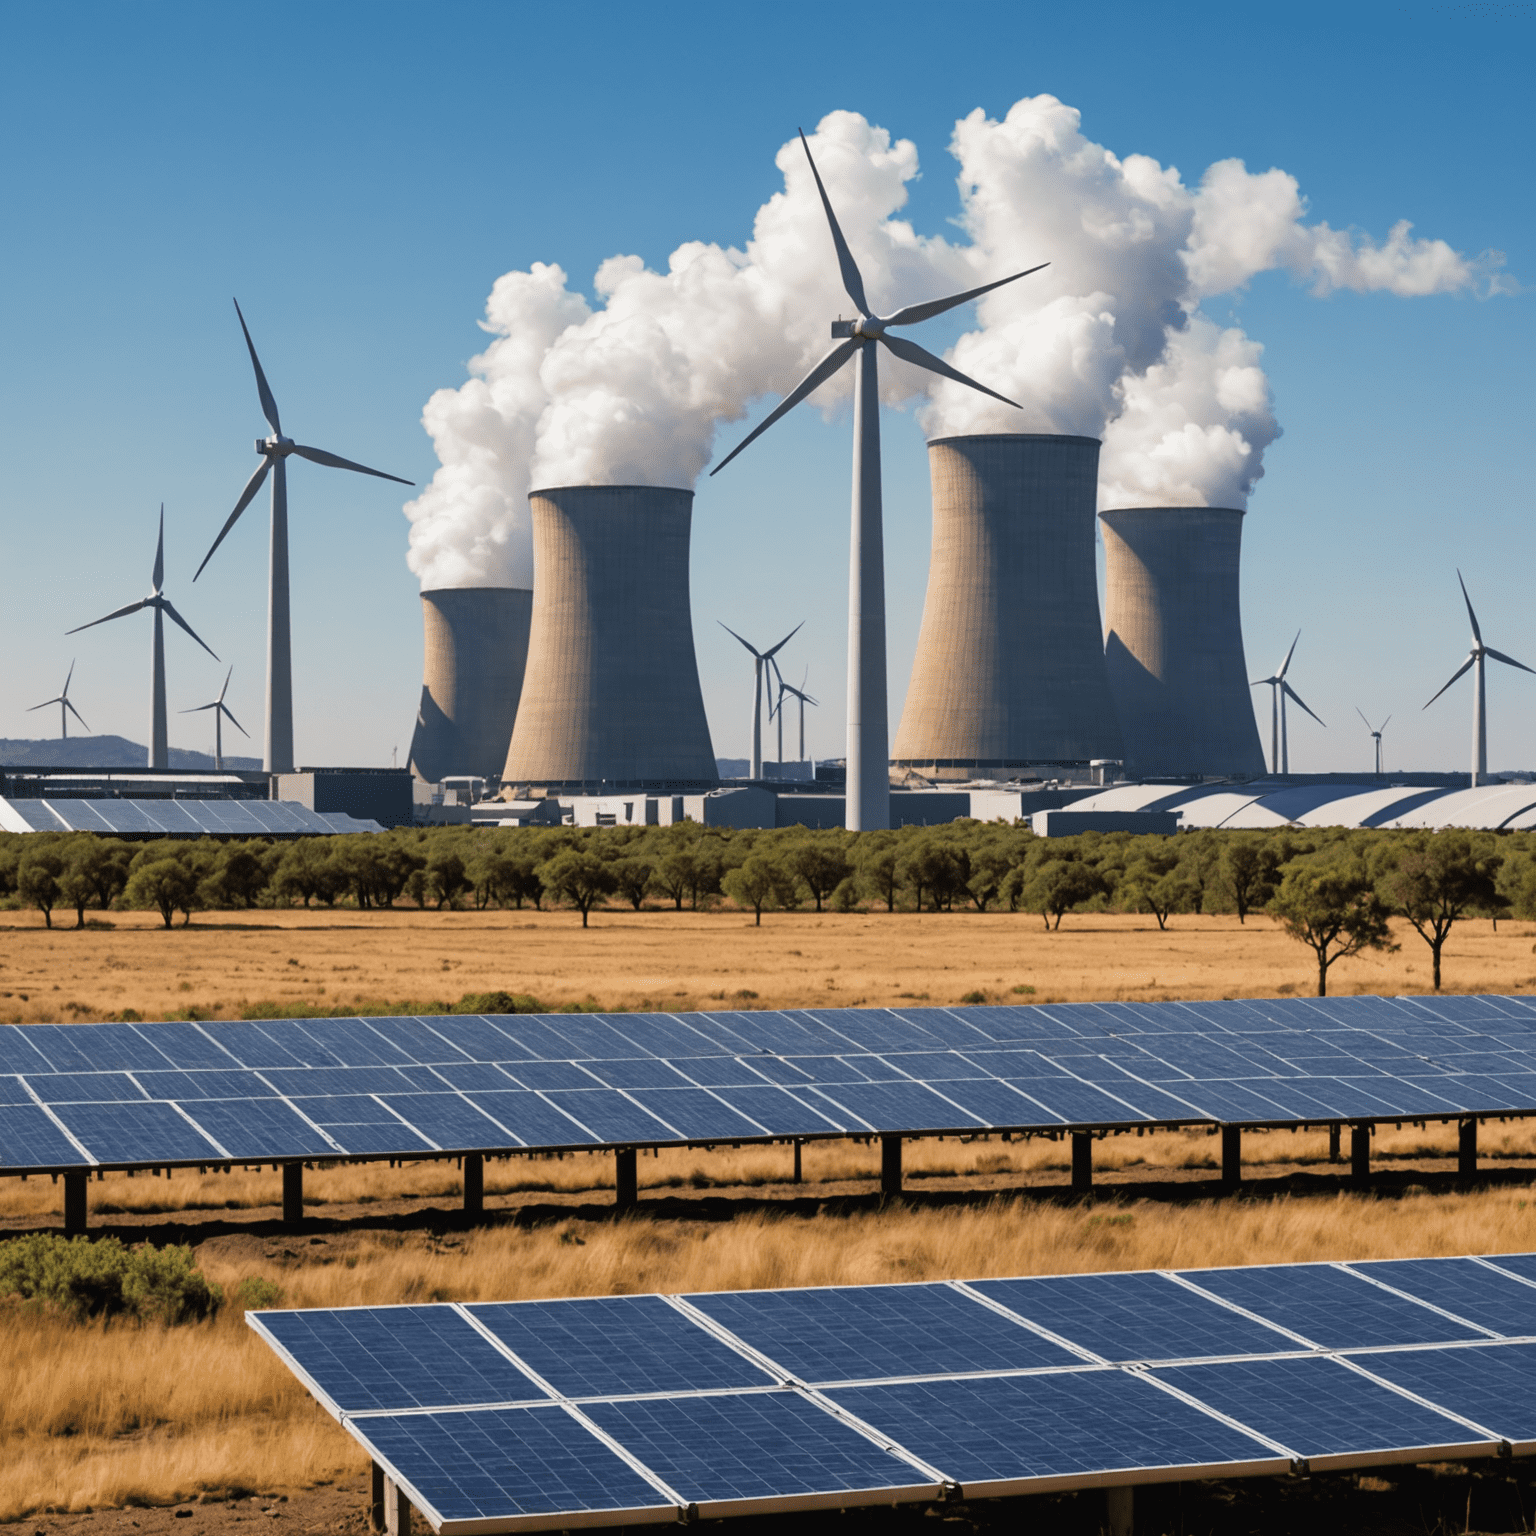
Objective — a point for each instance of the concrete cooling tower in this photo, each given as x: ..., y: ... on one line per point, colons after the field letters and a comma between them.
x: 1174, y: 641
x: 476, y: 645
x: 1009, y: 671
x: 612, y: 691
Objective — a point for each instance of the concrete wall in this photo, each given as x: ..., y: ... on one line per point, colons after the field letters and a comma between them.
x: 379, y: 794
x: 1010, y: 660
x: 1070, y: 823
x: 1174, y: 641
x: 611, y: 693
x: 476, y: 649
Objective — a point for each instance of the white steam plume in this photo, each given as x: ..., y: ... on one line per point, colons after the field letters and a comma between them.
x: 1107, y: 341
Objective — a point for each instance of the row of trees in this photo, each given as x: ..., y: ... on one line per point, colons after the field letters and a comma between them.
x: 1335, y: 890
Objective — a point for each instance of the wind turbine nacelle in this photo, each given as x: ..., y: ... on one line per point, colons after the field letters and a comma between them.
x: 843, y: 330
x: 280, y: 446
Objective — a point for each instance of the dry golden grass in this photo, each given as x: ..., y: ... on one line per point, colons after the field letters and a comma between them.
x: 95, y: 1416
x: 685, y: 960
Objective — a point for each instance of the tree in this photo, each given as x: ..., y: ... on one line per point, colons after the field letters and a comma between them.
x: 877, y: 861
x: 37, y: 880
x: 240, y: 875
x: 1052, y: 883
x: 1329, y: 903
x: 819, y: 861
x: 1249, y: 872
x: 759, y: 881
x: 168, y: 884
x: 633, y: 878
x: 579, y: 877
x: 1438, y: 878
x: 80, y: 879
x: 1157, y: 881
x: 446, y: 879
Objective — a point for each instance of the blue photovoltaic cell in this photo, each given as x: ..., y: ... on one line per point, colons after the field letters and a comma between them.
x: 1522, y: 1264
x: 507, y: 1462
x: 258, y: 1128
x: 337, y: 1082
x: 12, y: 1092
x: 991, y: 1102
x: 698, y: 1115
x: 1137, y: 1316
x: 785, y: 1114
x: 251, y: 1047
x: 1075, y: 1103
x: 760, y: 1445
x: 932, y: 1066
x: 87, y: 1088
x: 473, y: 1075
x: 136, y: 1133
x: 1465, y: 1287
x: 29, y: 1139
x: 185, y: 1046
x: 610, y: 1116
x: 850, y: 1333
x: 18, y: 1054
x: 778, y: 1070
x: 416, y: 1041
x: 601, y: 1346
x: 636, y: 1072
x: 663, y: 1035
x: 534, y: 1122
x: 449, y: 1120
x: 880, y: 1105
x: 1316, y: 1407
x: 354, y: 1044
x: 230, y: 1084
x: 1328, y: 1306
x: 1490, y: 1386
x: 870, y: 1029
x: 362, y: 1125
x: 548, y: 1074
x: 1009, y: 1428
x: 365, y: 1358
x: 720, y: 1072
x: 93, y: 1047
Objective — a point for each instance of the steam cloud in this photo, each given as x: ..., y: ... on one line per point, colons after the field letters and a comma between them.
x: 1109, y: 341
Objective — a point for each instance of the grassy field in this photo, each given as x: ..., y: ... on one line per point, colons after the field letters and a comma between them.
x: 227, y: 962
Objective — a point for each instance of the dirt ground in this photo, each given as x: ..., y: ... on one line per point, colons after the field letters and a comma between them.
x: 226, y: 962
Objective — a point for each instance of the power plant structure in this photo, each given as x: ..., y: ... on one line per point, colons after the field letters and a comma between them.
x: 472, y: 676
x: 1009, y: 672
x: 611, y: 694
x: 1173, y: 641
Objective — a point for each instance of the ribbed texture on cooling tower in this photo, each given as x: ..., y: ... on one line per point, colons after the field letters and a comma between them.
x: 612, y: 689
x: 1174, y: 640
x: 476, y: 648
x: 1010, y: 659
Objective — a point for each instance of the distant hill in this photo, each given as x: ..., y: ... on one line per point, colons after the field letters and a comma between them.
x: 103, y: 752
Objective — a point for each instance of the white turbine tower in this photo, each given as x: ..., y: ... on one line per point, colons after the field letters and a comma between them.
x: 759, y: 660
x: 1479, y: 693
x: 1375, y: 731
x: 220, y: 710
x: 1279, y: 691
x: 66, y: 709
x: 159, y: 748
x: 869, y: 789
x: 275, y: 451
x: 794, y: 693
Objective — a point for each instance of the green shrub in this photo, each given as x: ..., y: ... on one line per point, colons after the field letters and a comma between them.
x: 256, y: 1292
x: 498, y: 1002
x: 82, y: 1279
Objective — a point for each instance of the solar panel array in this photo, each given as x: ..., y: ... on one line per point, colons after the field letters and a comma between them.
x: 83, y: 1095
x: 179, y: 818
x: 622, y: 1409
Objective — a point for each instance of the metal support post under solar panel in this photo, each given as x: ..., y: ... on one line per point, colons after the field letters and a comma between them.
x: 1082, y: 1160
x: 1360, y: 1152
x: 890, y: 1167
x: 626, y: 1180
x: 1119, y: 1511
x: 74, y: 1203
x: 797, y: 1162
x: 1231, y: 1156
x: 397, y: 1509
x: 1335, y: 1151
x: 376, y: 1497
x: 1466, y: 1148
x: 474, y: 1184
x: 293, y: 1194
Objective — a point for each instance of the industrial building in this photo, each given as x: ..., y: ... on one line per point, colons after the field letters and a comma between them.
x: 1174, y: 641
x: 472, y: 675
x: 611, y: 694
x: 1009, y: 672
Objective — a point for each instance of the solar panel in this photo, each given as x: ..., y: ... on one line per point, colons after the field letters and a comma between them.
x: 1490, y: 1386
x: 1481, y: 1294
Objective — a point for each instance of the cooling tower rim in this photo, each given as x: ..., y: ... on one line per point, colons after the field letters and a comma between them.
x: 475, y: 586
x: 557, y: 490
x: 1123, y: 511
x: 1014, y: 437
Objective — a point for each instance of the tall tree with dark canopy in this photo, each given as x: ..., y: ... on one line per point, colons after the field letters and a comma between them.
x: 1438, y: 879
x: 1329, y: 903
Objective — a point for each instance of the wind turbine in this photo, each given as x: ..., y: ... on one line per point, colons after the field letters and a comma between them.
x: 804, y: 698
x: 66, y: 709
x: 159, y: 750
x: 277, y: 756
x: 220, y: 709
x: 1375, y: 731
x: 1279, y: 691
x: 1479, y: 696
x: 759, y: 659
x: 869, y: 789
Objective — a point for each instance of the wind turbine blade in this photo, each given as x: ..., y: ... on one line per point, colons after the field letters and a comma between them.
x: 246, y: 497
x: 785, y: 641
x: 33, y: 708
x: 910, y: 352
x: 67, y: 676
x: 117, y: 613
x: 1477, y: 634
x: 225, y: 688
x: 915, y: 312
x: 1384, y: 724
x: 197, y: 709
x: 732, y: 633
x: 1264, y: 682
x: 268, y: 404
x: 333, y: 461
x: 853, y: 282
x: 159, y: 574
x: 75, y: 712
x: 1509, y: 661
x: 229, y: 715
x: 1463, y: 668
x: 1291, y: 693
x: 1361, y: 713
x: 176, y: 618
x: 812, y: 381
x: 1280, y: 675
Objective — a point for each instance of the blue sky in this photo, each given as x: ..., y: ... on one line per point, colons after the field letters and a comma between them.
x: 361, y: 174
